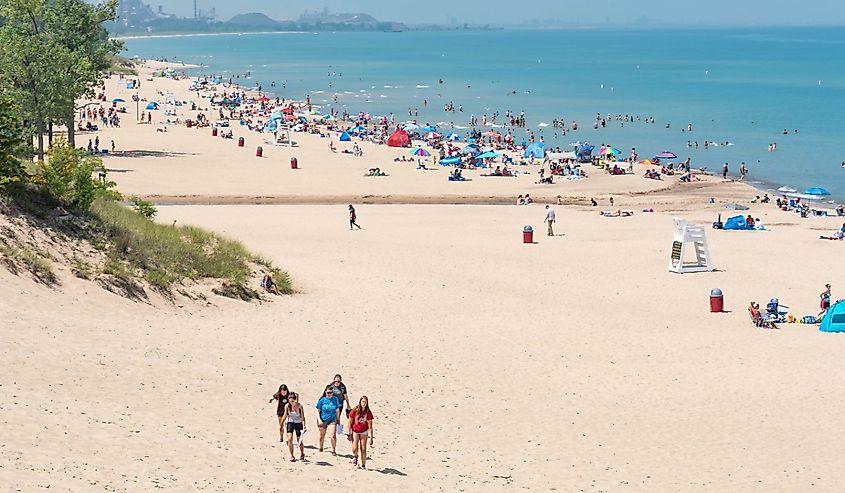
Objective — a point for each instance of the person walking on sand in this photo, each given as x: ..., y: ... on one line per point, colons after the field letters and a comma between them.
x: 550, y: 220
x: 340, y: 392
x: 294, y: 419
x: 282, y: 395
x: 824, y: 302
x: 361, y: 426
x: 328, y: 408
x: 352, y: 218
x: 725, y: 171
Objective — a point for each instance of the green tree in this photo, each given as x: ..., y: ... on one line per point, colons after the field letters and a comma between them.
x: 52, y: 52
x: 79, y: 27
x: 12, y: 142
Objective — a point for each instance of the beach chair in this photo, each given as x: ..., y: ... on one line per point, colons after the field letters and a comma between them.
x: 775, y: 312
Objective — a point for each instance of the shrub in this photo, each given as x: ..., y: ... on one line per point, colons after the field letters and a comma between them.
x: 143, y: 207
x: 68, y: 175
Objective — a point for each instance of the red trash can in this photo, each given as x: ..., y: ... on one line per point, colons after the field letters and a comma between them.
x: 717, y: 301
x: 214, y: 132
x: 294, y: 164
x: 259, y: 151
x: 528, y: 234
x: 240, y: 141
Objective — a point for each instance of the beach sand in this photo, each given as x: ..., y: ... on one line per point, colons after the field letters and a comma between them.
x: 578, y: 363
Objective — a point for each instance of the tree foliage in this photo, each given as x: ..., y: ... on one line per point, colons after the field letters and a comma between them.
x: 52, y: 52
x: 12, y: 142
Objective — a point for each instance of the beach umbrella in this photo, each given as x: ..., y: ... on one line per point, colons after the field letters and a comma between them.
x: 429, y: 128
x: 453, y: 137
x: 329, y: 117
x: 432, y: 135
x: 419, y: 151
x: 152, y: 106
x: 264, y: 99
x: 117, y: 100
x: 487, y: 155
x: 411, y: 127
x: 666, y: 155
x: 816, y: 191
x: 605, y: 151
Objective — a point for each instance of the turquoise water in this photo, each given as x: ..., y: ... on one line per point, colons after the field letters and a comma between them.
x: 742, y: 86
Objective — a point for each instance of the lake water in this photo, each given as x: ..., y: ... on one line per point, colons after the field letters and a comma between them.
x: 743, y: 86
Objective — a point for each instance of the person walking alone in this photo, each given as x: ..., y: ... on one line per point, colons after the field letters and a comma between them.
x: 352, y: 218
x: 550, y: 220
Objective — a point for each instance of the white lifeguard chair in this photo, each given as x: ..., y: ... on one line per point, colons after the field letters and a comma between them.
x: 684, y: 238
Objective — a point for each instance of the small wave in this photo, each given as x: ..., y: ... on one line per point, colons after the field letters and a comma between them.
x: 419, y: 86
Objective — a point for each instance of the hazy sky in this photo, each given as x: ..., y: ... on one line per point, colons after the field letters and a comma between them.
x: 747, y: 12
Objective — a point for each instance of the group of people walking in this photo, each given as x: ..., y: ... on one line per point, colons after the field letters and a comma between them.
x: 332, y: 407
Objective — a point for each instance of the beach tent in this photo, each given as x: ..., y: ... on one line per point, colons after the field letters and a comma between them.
x: 834, y: 319
x: 344, y: 137
x: 152, y: 106
x: 585, y: 152
x: 537, y: 149
x: 448, y: 161
x: 399, y: 139
x: 736, y: 223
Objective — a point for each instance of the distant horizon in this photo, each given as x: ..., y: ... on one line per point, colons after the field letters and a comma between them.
x: 719, y: 13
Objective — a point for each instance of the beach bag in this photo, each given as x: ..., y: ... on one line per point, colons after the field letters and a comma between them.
x: 808, y: 319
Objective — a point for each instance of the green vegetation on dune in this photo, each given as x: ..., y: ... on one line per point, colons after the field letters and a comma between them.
x: 164, y: 254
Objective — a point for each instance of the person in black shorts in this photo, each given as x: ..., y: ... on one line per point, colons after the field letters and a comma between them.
x: 294, y: 417
x: 282, y: 396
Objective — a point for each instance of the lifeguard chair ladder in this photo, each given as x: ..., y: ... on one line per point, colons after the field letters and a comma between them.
x: 684, y: 238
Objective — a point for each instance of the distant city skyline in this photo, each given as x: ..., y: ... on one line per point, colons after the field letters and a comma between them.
x: 715, y: 12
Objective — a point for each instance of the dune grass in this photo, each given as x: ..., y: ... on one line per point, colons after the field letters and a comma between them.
x: 38, y: 266
x: 164, y: 255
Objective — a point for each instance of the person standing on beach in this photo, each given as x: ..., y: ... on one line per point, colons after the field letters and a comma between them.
x: 282, y: 395
x: 824, y: 302
x: 361, y: 427
x: 550, y: 220
x: 725, y: 171
x: 352, y: 218
x: 328, y: 408
x: 294, y: 419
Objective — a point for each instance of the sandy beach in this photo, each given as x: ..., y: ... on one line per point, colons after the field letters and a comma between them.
x: 578, y: 363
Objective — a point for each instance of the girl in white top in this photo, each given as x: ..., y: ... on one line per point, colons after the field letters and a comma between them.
x: 294, y: 418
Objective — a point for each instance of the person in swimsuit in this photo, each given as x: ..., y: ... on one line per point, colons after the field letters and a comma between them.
x: 352, y: 218
x: 361, y: 425
x: 328, y: 417
x: 824, y: 303
x: 282, y: 396
x: 294, y: 418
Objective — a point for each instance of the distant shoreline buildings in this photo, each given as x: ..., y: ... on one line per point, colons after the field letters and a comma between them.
x: 138, y: 17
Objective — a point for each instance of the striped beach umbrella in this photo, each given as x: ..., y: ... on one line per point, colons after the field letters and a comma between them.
x: 420, y: 152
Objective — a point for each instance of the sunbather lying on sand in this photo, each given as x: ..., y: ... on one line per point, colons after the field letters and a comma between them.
x: 618, y: 213
x: 376, y: 172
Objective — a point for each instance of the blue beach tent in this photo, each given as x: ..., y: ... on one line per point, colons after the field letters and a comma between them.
x: 736, y: 223
x: 152, y: 106
x: 834, y: 319
x: 537, y: 149
x: 344, y: 137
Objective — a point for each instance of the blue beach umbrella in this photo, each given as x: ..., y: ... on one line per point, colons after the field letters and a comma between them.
x: 817, y: 191
x: 117, y: 100
x: 487, y: 155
